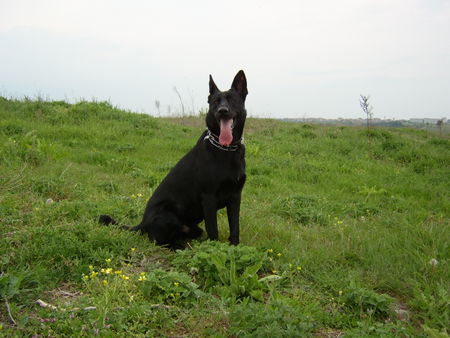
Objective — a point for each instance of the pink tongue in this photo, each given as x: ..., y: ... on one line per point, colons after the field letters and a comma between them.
x: 225, y: 137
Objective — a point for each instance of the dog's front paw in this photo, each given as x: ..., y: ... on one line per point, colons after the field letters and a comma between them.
x: 233, y: 241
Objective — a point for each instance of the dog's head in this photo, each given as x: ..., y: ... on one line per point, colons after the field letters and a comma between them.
x: 226, y: 114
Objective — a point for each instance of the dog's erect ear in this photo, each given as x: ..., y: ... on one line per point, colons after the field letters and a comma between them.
x: 240, y: 84
x: 212, y: 86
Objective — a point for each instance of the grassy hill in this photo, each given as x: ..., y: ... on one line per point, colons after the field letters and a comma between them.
x: 343, y: 231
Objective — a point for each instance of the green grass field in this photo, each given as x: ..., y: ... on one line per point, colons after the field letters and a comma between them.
x: 343, y: 231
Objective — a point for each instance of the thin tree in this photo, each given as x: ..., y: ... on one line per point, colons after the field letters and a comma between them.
x: 367, y: 108
x: 181, y: 100
x: 191, y: 94
x: 158, y: 105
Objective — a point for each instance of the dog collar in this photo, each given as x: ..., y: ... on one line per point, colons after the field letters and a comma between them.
x: 214, y: 140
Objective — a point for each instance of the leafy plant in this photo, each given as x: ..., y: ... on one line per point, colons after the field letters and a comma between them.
x: 367, y: 302
x: 234, y: 285
x: 232, y: 271
x: 378, y: 330
x: 10, y: 286
x: 276, y: 319
x: 28, y: 148
x: 169, y: 286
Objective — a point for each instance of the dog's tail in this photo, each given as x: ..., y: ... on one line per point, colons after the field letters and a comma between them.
x: 108, y: 220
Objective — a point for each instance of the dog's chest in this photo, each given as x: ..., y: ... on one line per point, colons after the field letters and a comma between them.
x: 223, y: 175
x: 231, y: 178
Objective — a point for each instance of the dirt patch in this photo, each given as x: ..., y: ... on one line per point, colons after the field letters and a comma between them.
x: 65, y: 294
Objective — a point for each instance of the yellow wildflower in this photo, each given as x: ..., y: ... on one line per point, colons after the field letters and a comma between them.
x: 133, y: 249
x: 105, y: 282
x: 299, y: 268
x: 269, y: 250
x: 176, y: 283
x: 91, y: 267
x: 108, y: 260
x: 279, y: 254
x: 118, y: 272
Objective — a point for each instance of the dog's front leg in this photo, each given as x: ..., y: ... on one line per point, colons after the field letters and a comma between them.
x: 233, y: 208
x: 210, y: 211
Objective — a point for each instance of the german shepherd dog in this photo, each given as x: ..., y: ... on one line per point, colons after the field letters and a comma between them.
x: 208, y: 178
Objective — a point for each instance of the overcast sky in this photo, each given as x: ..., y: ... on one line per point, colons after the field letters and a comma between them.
x: 301, y: 58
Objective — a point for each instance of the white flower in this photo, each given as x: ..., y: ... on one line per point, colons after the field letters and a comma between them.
x: 433, y: 262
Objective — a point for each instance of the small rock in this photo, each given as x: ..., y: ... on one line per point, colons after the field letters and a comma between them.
x: 41, y: 303
x: 49, y: 201
x: 402, y: 315
x: 90, y: 308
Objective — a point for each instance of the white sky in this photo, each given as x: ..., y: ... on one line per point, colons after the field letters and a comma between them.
x: 301, y: 58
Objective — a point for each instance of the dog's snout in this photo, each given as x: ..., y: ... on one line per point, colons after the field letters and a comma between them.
x: 223, y: 110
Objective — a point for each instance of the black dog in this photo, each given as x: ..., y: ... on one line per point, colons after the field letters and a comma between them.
x: 208, y: 178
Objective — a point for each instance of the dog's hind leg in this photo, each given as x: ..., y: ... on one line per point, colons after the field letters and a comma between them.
x: 164, y: 233
x: 167, y: 230
x: 191, y: 231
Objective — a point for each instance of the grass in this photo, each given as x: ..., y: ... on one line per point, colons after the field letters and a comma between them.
x: 344, y: 231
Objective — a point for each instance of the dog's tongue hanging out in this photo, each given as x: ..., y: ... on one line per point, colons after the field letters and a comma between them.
x: 226, y: 135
